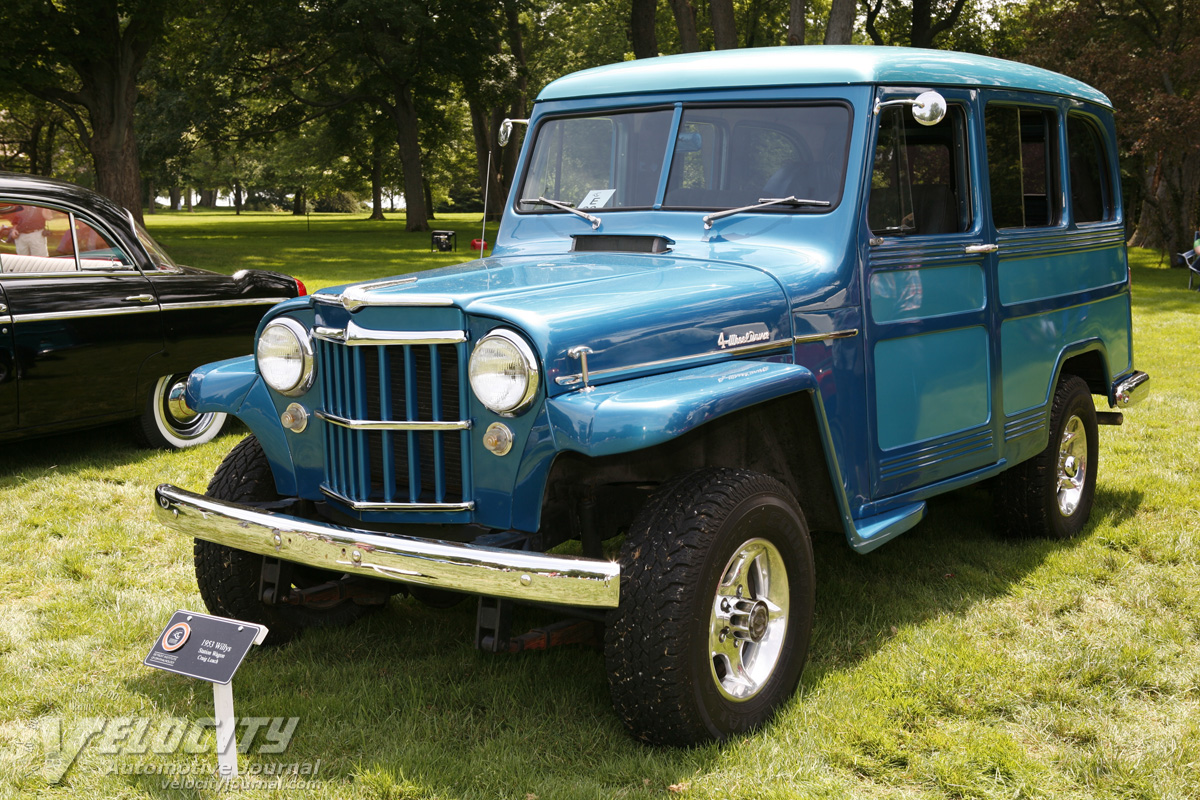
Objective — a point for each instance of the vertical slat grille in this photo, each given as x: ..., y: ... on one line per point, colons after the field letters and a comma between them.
x: 394, y: 383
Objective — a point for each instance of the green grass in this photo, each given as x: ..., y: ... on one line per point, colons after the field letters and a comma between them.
x: 321, y: 249
x: 951, y: 663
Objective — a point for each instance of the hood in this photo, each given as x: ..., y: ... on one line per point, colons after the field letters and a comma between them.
x: 638, y: 314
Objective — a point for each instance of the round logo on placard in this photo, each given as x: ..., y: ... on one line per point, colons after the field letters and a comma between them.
x: 175, y: 636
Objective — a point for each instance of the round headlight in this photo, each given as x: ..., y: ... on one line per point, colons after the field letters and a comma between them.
x: 285, y: 357
x: 503, y: 372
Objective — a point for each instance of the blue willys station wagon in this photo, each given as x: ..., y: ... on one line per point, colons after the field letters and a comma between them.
x: 735, y: 298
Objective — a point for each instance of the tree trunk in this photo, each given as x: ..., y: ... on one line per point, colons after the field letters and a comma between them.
x: 237, y: 197
x: 113, y: 148
x: 641, y: 28
x: 724, y: 25
x: 841, y: 22
x: 300, y: 202
x: 685, y: 21
x: 175, y: 196
x: 377, y: 182
x: 796, y: 21
x: 151, y: 193
x: 1167, y: 221
x: 188, y: 194
x: 483, y: 123
x: 427, y: 188
x: 404, y: 115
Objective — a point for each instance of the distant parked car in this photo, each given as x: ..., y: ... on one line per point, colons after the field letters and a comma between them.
x: 98, y: 324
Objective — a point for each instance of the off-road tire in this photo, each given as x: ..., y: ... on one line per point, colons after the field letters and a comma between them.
x: 1027, y: 497
x: 229, y: 579
x: 663, y: 674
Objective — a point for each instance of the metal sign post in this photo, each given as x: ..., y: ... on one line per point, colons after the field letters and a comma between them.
x: 210, y: 649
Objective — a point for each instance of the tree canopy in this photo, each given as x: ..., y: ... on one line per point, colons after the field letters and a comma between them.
x: 288, y: 105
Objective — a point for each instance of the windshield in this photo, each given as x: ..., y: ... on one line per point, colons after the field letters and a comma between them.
x: 157, y: 254
x: 721, y: 158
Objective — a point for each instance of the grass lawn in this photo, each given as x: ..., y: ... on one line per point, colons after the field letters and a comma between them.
x: 950, y: 663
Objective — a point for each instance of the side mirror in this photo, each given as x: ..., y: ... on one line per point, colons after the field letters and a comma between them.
x: 928, y: 108
x: 506, y: 129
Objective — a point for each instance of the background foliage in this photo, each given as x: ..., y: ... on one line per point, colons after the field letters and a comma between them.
x: 274, y: 104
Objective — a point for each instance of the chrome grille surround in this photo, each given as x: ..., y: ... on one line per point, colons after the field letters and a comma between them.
x: 394, y: 404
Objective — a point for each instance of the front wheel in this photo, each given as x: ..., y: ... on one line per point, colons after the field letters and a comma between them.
x: 229, y: 579
x: 169, y: 424
x: 717, y: 595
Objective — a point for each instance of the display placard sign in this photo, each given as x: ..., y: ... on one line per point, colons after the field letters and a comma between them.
x: 204, y: 647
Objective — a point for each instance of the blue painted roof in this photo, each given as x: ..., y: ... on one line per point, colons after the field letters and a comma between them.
x: 813, y: 66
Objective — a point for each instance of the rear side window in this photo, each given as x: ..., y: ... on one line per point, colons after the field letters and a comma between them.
x: 1091, y: 183
x: 1022, y: 166
x: 919, y: 181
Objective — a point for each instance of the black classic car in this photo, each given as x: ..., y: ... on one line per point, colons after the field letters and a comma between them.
x: 98, y: 324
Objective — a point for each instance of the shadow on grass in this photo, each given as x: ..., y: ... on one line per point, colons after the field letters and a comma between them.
x: 953, y: 560
x: 403, y: 699
x: 111, y: 446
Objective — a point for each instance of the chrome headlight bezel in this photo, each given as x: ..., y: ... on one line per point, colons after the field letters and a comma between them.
x: 303, y: 350
x: 524, y: 353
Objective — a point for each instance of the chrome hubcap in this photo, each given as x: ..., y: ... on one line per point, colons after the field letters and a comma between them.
x: 177, y: 404
x: 1072, y: 466
x: 749, y: 620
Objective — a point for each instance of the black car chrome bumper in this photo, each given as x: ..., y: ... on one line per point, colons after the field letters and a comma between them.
x: 517, y: 574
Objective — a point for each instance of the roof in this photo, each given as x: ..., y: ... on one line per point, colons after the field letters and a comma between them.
x: 813, y: 65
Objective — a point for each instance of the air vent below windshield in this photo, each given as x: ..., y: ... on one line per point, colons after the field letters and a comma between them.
x: 621, y: 244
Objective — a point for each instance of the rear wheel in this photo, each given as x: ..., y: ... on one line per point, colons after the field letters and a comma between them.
x: 169, y: 424
x: 716, y: 608
x: 1051, y: 494
x: 230, y: 579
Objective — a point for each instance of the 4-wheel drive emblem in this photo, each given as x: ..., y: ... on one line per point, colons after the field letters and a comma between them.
x: 743, y: 335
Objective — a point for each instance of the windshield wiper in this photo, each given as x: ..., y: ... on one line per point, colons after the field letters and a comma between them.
x: 763, y: 202
x: 547, y: 201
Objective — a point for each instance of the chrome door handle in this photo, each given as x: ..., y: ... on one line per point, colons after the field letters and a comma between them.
x: 3, y: 308
x: 140, y: 298
x: 981, y: 248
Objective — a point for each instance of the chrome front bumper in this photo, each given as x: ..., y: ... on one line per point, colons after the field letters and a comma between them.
x: 496, y: 572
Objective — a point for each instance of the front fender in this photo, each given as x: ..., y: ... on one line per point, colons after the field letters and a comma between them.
x: 234, y: 387
x: 641, y: 413
x: 221, y: 386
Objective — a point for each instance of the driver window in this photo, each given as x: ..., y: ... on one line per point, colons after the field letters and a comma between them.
x: 30, y: 236
x: 95, y: 250
x: 39, y: 239
x: 919, y: 182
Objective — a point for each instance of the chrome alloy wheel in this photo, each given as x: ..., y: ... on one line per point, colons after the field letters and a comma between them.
x: 1072, y: 466
x: 748, y: 624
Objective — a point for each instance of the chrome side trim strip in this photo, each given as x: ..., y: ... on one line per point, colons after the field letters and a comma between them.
x: 821, y: 337
x: 491, y: 571
x: 355, y: 335
x: 577, y: 378
x: 253, y: 301
x: 94, y: 312
x: 370, y: 505
x: 391, y: 425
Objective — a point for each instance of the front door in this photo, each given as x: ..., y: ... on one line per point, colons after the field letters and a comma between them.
x: 929, y: 346
x: 83, y: 319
